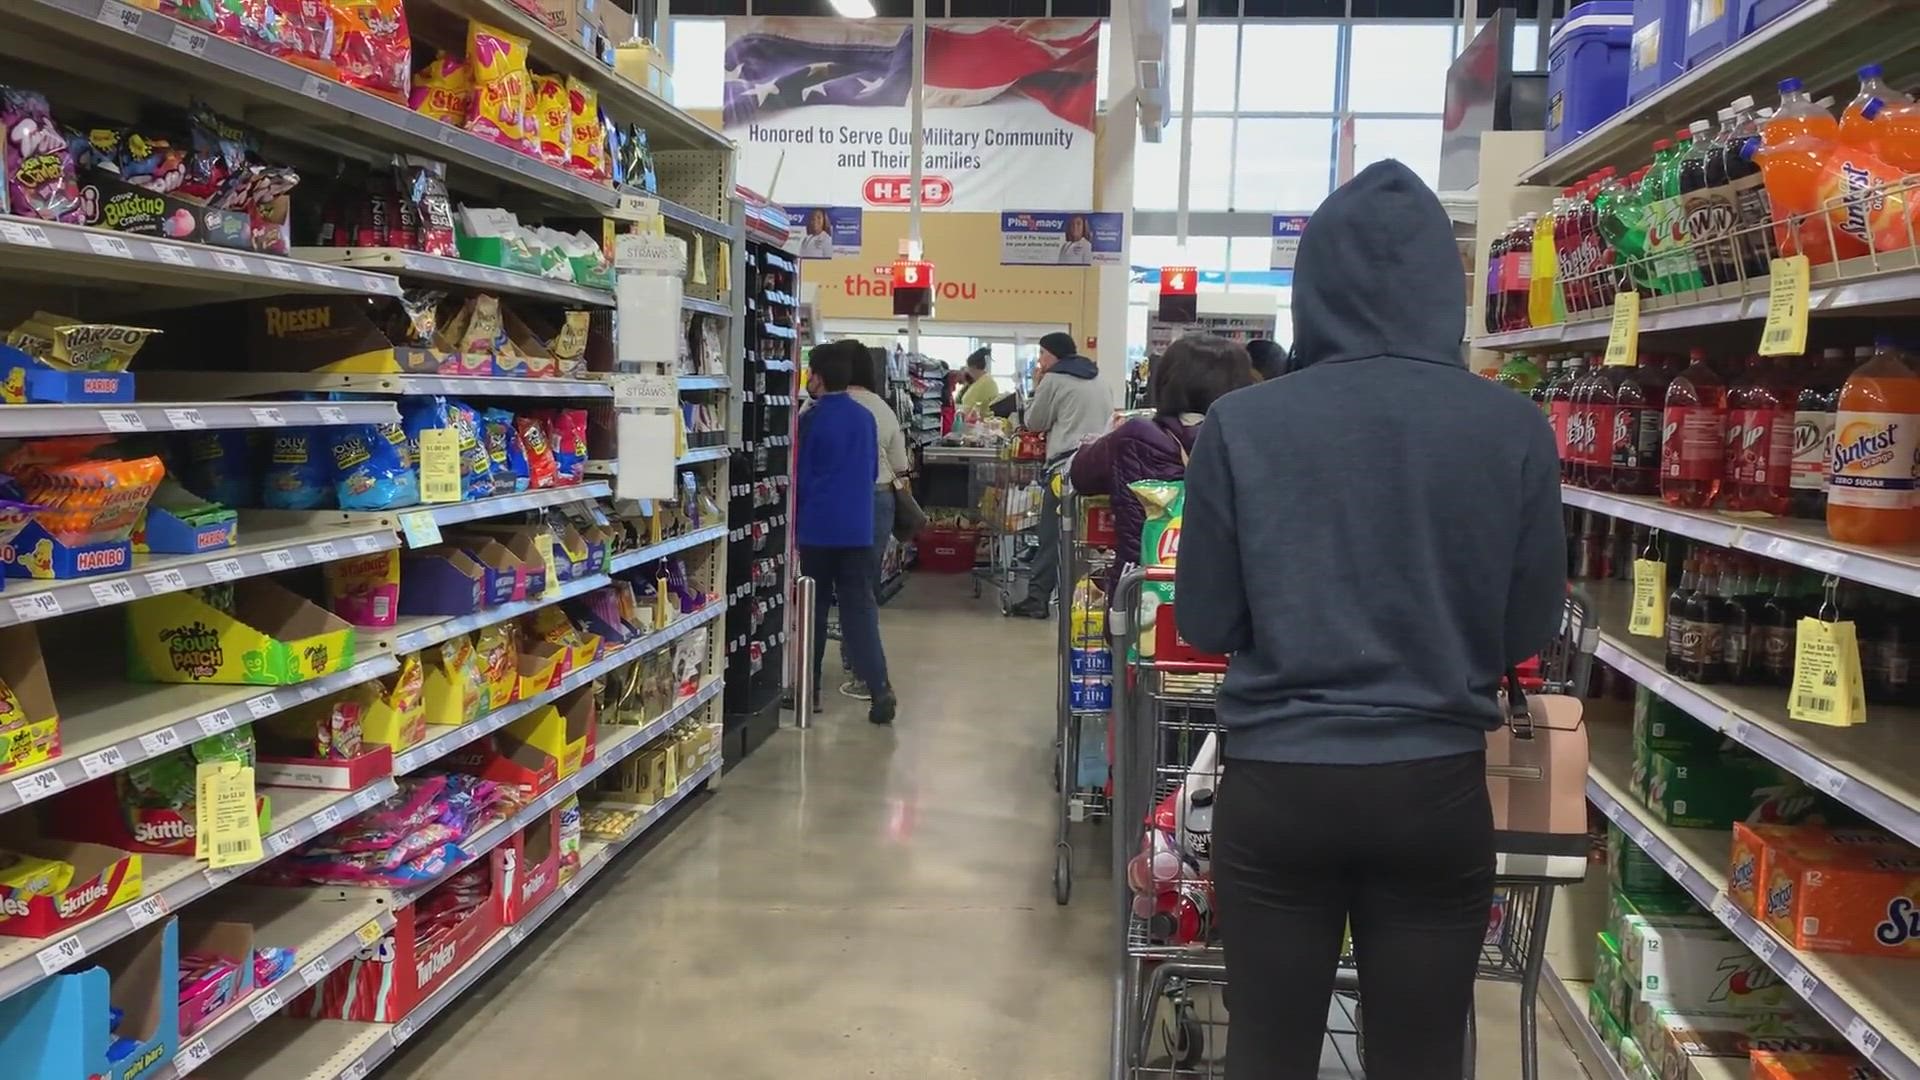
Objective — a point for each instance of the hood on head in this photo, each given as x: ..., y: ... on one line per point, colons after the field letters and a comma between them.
x: 1378, y: 274
x: 1077, y: 366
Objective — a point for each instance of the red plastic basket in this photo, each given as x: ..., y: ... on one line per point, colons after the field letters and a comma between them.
x: 948, y: 551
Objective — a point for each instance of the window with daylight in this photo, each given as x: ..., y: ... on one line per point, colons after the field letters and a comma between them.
x: 1414, y: 143
x: 1156, y: 166
x: 1399, y: 67
x: 1215, y: 51
x: 698, y: 45
x: 1283, y: 164
x: 1288, y: 67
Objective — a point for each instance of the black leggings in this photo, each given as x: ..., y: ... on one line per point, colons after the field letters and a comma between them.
x: 1402, y: 852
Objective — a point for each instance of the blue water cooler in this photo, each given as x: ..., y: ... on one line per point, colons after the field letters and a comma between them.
x: 1587, y: 65
x: 1659, y: 43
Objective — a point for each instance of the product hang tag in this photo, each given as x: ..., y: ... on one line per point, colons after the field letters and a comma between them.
x: 1787, y: 301
x: 1848, y: 639
x: 1822, y: 692
x: 439, y: 465
x: 723, y: 279
x: 698, y: 261
x: 229, y: 817
x: 1623, y: 336
x: 543, y: 542
x: 1648, y: 617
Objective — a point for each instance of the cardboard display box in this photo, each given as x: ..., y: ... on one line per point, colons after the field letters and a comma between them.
x: 442, y: 581
x: 25, y: 381
x: 30, y: 736
x: 57, y: 1029
x: 526, y: 868
x: 384, y: 981
x: 274, y: 638
x: 229, y: 940
x: 1867, y: 904
x: 104, y: 878
x: 565, y: 731
x: 525, y: 771
x: 34, y: 553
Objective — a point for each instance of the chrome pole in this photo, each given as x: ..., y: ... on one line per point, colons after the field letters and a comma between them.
x: 803, y: 688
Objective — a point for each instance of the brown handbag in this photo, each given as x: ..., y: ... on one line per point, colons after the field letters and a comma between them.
x: 1537, y: 782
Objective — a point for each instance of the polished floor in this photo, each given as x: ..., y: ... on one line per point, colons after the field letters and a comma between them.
x: 851, y: 902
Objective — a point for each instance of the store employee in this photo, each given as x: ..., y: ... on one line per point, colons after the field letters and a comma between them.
x: 981, y: 390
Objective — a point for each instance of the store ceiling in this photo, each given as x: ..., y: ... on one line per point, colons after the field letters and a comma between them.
x: 1209, y: 9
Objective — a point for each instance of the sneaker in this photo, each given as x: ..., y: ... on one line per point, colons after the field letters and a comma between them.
x: 856, y: 690
x: 1031, y: 608
x: 883, y: 707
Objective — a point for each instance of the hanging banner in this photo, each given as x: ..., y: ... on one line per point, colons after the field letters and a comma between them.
x: 819, y: 108
x: 1287, y: 231
x: 827, y: 231
x: 1030, y: 238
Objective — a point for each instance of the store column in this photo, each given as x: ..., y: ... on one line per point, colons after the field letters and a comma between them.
x: 1113, y: 172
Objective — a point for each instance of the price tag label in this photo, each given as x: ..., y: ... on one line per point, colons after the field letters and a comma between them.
x: 439, y: 466
x: 1648, y: 616
x: 278, y: 843
x: 216, y: 722
x: 317, y: 88
x: 1828, y: 780
x: 1676, y: 866
x: 1803, y: 981
x: 267, y: 416
x: 374, y: 284
x: 420, y: 528
x: 265, y: 1005
x: 326, y: 819
x: 39, y: 785
x: 217, y: 878
x: 403, y: 1030
x: 264, y: 705
x: 165, y: 581
x: 177, y: 256
x: 323, y: 551
x: 366, y: 545
x: 101, y: 762
x: 282, y: 271
x: 19, y: 232
x: 121, y: 421
x: 322, y: 276
x: 186, y: 419
x: 226, y: 569
x: 332, y: 414
x: 148, y: 910
x: 57, y: 956
x: 1863, y: 1037
x: 159, y: 742
x: 111, y: 246
x: 231, y: 263
x: 192, y: 1056
x: 1787, y: 294
x: 366, y: 800
x: 1623, y: 334
x: 1762, y: 943
x: 1822, y: 683
x: 315, y: 971
x: 632, y: 207
x: 1723, y: 908
x: 187, y: 39
x: 279, y: 559
x: 120, y: 16
x: 369, y: 932
x: 517, y: 935
x: 355, y: 1071
x: 572, y: 887
x: 37, y: 606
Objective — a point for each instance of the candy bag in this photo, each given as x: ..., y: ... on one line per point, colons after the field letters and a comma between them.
x: 220, y: 152
x: 423, y: 191
x: 369, y: 472
x: 372, y: 46
x: 567, y: 434
x: 542, y: 472
x: 152, y: 163
x: 219, y: 467
x: 476, y: 468
x: 40, y: 180
x: 499, y: 659
x: 588, y: 145
x: 498, y: 61
x: 365, y: 589
x: 504, y: 449
x: 613, y: 156
x: 553, y: 116
x: 303, y: 34
x: 443, y: 90
x: 297, y: 474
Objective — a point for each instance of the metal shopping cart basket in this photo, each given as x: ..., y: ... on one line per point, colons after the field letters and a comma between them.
x: 1169, y: 1014
x: 1085, y: 685
x: 1007, y: 493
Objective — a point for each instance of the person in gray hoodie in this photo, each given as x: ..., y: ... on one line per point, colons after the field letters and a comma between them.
x: 1375, y: 539
x: 1072, y: 407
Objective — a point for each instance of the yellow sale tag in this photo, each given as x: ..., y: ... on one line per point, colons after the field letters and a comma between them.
x: 1849, y: 641
x: 1649, y: 614
x: 697, y: 262
x: 1824, y: 684
x: 724, y: 279
x: 663, y: 609
x: 1623, y: 337
x: 543, y: 542
x: 369, y: 933
x: 439, y: 466
x: 1786, y: 331
x: 229, y: 819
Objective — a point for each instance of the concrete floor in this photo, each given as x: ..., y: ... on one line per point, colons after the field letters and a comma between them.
x: 851, y: 902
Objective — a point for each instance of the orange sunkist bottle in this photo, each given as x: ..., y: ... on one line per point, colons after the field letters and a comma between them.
x: 1876, y: 436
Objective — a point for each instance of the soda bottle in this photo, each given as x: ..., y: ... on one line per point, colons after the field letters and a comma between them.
x: 1798, y: 116
x: 1671, y: 243
x: 1620, y: 216
x: 1708, y: 201
x: 1736, y: 622
x: 1707, y: 618
x: 1560, y: 412
x: 1731, y: 167
x: 1830, y: 200
x: 1692, y: 438
x: 1519, y: 372
x: 1813, y: 435
x: 1543, y: 285
x: 1854, y: 123
x: 1495, y: 274
x: 1598, y: 461
x: 1566, y: 251
x: 1520, y: 286
x: 1639, y: 401
x: 1681, y: 635
x: 1579, y: 424
x: 1773, y: 650
x: 1763, y: 408
x: 1547, y: 378
x: 1876, y: 437
x: 1895, y: 135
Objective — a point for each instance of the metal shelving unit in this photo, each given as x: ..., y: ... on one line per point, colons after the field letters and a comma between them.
x: 254, y: 383
x: 102, y: 255
x: 133, y: 418
x: 424, y: 267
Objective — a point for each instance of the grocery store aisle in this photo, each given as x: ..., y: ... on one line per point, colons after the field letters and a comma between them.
x: 857, y: 902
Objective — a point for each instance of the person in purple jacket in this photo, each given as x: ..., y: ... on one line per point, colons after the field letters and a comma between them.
x: 1186, y: 380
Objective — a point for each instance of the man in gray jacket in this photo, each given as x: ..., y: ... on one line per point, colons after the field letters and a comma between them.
x: 1071, y: 406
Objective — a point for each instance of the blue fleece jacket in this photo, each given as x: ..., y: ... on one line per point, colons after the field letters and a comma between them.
x: 1375, y: 537
x: 833, y: 477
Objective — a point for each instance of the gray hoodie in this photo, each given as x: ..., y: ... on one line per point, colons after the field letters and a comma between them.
x: 1376, y: 537
x: 1070, y: 405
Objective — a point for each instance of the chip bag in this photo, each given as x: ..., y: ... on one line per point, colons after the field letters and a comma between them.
x: 553, y: 120
x: 498, y: 61
x: 1165, y: 503
x: 443, y: 90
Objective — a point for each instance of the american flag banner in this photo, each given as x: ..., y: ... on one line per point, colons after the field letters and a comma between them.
x: 820, y: 108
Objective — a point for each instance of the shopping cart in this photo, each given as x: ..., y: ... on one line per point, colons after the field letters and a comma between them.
x: 1169, y: 1014
x: 1085, y: 685
x: 1007, y: 495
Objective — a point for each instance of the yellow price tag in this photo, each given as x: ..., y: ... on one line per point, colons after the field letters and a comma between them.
x: 1786, y: 330
x: 229, y: 821
x: 369, y: 933
x: 724, y: 279
x: 1648, y: 617
x: 1623, y: 336
x: 543, y: 542
x: 697, y: 262
x: 439, y: 466
x: 1826, y: 662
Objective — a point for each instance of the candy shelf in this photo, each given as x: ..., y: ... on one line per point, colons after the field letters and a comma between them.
x: 266, y: 549
x: 1821, y: 42
x: 704, y: 382
x: 1567, y: 1000
x: 324, y: 931
x: 171, y: 881
x: 1874, y: 767
x: 1789, y: 540
x: 704, y: 453
x: 425, y: 267
x: 252, y: 383
x: 706, y: 307
x: 108, y: 726
x: 411, y: 633
x: 1867, y: 999
x: 441, y: 741
x: 496, y: 505
x: 344, y: 1050
x: 628, y: 559
x: 307, y: 108
x: 43, y: 248
x: 35, y: 421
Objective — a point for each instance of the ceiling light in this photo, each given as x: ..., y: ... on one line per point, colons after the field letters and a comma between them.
x: 853, y: 9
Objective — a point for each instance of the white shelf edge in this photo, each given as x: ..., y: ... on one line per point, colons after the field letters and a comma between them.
x: 496, y: 505
x: 432, y: 633
x: 407, y: 263
x: 704, y: 453
x: 1829, y: 1000
x: 704, y: 382
x: 627, y: 560
x: 134, y: 417
x: 107, y: 254
x: 706, y: 307
x: 1570, y: 1012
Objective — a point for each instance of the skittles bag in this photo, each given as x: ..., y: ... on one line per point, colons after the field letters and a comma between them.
x: 1165, y: 503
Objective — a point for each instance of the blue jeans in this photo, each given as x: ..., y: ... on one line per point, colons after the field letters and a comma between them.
x: 846, y: 576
